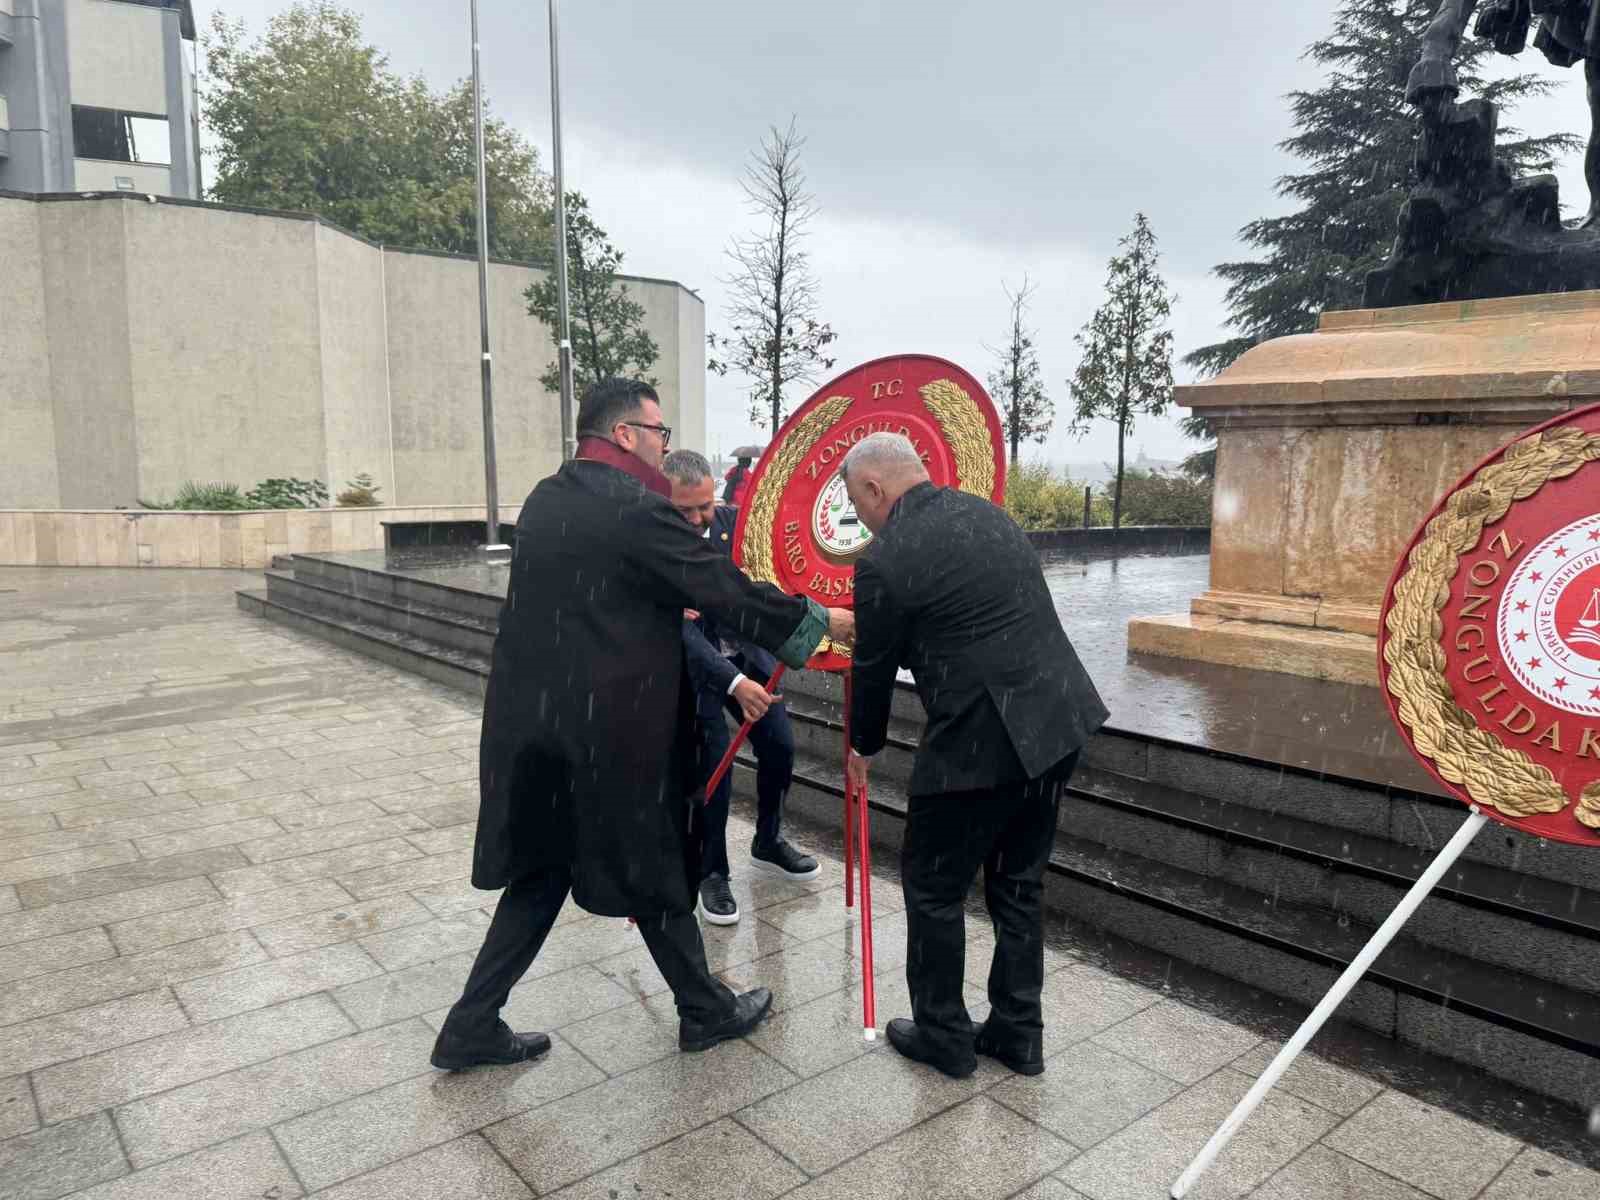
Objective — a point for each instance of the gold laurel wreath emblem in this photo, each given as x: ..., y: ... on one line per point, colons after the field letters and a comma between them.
x: 1493, y: 774
x: 966, y: 432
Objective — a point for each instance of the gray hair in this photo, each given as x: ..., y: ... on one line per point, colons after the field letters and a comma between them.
x: 885, y: 453
x: 686, y: 467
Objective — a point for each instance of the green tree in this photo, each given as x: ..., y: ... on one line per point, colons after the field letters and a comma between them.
x: 310, y: 117
x: 777, y: 338
x: 608, y: 334
x: 1026, y: 411
x: 1126, y: 368
x: 1357, y: 137
x: 1159, y: 498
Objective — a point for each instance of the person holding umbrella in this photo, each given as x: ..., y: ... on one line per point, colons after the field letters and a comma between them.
x: 737, y: 480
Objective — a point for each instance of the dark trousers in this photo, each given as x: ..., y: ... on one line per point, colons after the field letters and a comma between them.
x: 772, y: 740
x: 523, y: 919
x: 1007, y: 831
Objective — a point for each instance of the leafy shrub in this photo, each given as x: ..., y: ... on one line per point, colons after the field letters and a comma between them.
x: 202, y: 497
x: 361, y: 492
x: 1037, y: 498
x: 1160, y: 498
x: 288, y: 493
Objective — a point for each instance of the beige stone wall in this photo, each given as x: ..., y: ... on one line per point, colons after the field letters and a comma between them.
x: 247, y: 540
x: 179, y: 342
x: 100, y: 175
x: 115, y: 56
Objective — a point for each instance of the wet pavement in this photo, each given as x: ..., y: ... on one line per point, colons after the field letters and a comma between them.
x: 234, y: 905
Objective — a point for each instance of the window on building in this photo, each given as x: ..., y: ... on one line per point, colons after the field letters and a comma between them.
x: 117, y: 136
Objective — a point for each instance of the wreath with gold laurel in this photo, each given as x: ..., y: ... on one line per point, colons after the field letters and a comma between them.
x: 952, y: 407
x: 1492, y: 773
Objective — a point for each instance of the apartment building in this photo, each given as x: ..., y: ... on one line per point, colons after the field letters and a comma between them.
x: 98, y: 95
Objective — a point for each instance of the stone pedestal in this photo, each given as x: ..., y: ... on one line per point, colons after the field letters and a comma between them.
x: 1332, y: 447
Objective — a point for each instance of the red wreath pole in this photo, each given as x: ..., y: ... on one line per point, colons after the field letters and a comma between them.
x: 869, y: 990
x: 849, y: 805
x: 738, y: 740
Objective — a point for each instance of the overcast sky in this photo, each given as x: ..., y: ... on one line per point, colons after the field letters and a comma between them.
x: 952, y: 145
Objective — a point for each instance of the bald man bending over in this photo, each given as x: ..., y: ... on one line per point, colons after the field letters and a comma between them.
x: 951, y: 589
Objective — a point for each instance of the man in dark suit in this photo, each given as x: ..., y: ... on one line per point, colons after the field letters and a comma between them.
x: 728, y: 674
x: 951, y: 589
x: 584, y: 785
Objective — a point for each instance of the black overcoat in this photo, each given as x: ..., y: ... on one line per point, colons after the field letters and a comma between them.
x: 952, y: 590
x: 587, y: 746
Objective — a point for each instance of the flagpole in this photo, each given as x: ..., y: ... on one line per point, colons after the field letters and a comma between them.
x: 569, y: 440
x: 491, y: 485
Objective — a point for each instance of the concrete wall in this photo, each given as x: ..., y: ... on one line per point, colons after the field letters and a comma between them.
x: 115, y: 55
x: 181, y: 341
x: 100, y: 175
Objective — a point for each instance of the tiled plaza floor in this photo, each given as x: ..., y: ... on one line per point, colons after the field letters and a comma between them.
x: 234, y: 904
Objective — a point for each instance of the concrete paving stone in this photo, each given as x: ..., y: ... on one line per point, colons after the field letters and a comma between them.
x: 131, y: 828
x: 105, y: 748
x: 1537, y: 1175
x: 253, y: 788
x: 833, y: 1116
x: 315, y: 763
x: 796, y: 975
x: 586, y: 940
x: 439, y: 841
x: 425, y: 941
x: 273, y: 982
x: 407, y: 993
x: 17, y: 1114
x: 243, y: 880
x: 216, y: 777
x: 823, y: 1033
x: 629, y: 1035
x: 466, y: 1167
x: 314, y: 817
x: 1144, y: 1159
x: 556, y: 1002
x: 230, y: 833
x: 125, y: 877
x: 60, y: 1159
x: 1442, y: 1154
x: 67, y: 800
x: 68, y: 770
x: 46, y: 954
x: 442, y: 899
x: 404, y: 764
x: 67, y: 862
x: 634, y: 971
x: 63, y: 1036
x: 730, y: 945
x: 1180, y: 1042
x: 312, y: 841
x: 345, y: 923
x: 225, y: 1106
x: 822, y: 913
x: 35, y: 788
x: 1323, y: 1174
x: 424, y: 795
x: 54, y: 841
x: 145, y: 805
x: 25, y: 824
x: 166, y: 929
x: 1049, y: 1188
x: 248, y: 1168
x: 353, y: 787
x: 442, y: 816
x: 720, y: 1161
x: 336, y: 1143
x: 116, y: 1076
x: 978, y: 1150
x: 888, y: 942
x: 151, y: 774
x: 9, y: 903
x: 570, y: 1139
x: 1086, y: 1094
x: 11, y: 746
x: 1312, y: 1078
x: 203, y: 762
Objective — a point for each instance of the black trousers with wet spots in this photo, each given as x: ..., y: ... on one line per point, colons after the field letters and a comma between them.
x: 1008, y: 831
x: 523, y: 919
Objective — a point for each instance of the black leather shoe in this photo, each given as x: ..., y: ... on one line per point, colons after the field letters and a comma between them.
x: 1022, y: 1064
x: 905, y: 1037
x: 454, y: 1052
x: 748, y: 1010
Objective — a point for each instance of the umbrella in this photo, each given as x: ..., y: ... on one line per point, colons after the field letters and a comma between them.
x: 748, y: 451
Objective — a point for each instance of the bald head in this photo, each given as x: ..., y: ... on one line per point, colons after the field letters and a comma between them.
x: 877, y: 471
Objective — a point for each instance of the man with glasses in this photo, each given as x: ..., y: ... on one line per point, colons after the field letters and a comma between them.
x: 728, y: 673
x: 585, y: 784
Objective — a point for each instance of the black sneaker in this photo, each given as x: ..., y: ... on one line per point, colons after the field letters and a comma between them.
x: 783, y: 860
x: 499, y: 1047
x: 717, y: 904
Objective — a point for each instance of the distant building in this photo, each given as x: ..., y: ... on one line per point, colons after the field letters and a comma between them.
x: 98, y: 95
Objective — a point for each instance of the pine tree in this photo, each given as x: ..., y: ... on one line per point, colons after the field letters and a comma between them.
x: 1126, y: 369
x: 1026, y: 412
x: 1358, y: 137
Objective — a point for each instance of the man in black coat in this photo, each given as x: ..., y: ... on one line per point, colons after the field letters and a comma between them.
x: 951, y: 589
x: 585, y: 781
x: 727, y: 674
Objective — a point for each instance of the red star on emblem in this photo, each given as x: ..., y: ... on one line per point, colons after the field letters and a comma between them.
x: 1536, y: 576
x: 1522, y: 606
x: 1594, y: 693
x: 1561, y: 684
x: 1536, y: 663
x: 1561, y: 551
x: 1522, y: 636
x: 1594, y: 535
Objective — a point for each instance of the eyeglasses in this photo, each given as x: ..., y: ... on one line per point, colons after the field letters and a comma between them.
x: 664, y: 430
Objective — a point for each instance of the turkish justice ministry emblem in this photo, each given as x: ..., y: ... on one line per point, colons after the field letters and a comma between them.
x: 797, y: 527
x: 1490, y: 644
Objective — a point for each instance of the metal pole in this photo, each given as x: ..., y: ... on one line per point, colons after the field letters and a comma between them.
x: 1342, y: 988
x: 491, y: 485
x: 569, y: 438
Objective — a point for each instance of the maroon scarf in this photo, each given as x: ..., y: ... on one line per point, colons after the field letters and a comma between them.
x: 597, y: 449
